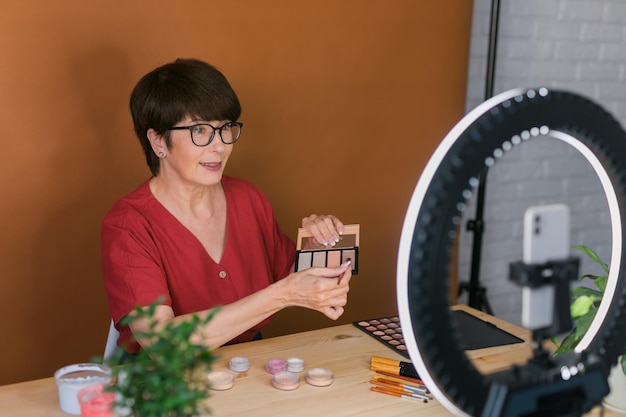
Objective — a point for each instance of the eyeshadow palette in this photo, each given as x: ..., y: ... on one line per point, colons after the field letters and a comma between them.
x: 475, y: 333
x: 309, y: 253
x: 386, y: 330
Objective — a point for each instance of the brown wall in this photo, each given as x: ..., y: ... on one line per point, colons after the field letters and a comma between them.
x: 344, y: 101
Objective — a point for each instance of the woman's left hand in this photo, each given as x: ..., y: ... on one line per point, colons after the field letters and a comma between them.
x: 326, y: 229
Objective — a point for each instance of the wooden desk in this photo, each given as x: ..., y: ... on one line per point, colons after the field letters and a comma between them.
x: 343, y: 349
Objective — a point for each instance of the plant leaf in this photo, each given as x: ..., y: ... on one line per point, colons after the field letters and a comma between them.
x: 581, y: 306
x: 586, y: 291
x: 593, y: 256
x: 568, y: 344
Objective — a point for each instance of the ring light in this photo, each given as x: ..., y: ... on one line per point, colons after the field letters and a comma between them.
x: 474, y: 144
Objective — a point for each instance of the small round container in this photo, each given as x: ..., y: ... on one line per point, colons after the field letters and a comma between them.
x: 286, y: 381
x: 239, y: 364
x: 295, y: 364
x: 220, y: 380
x: 275, y: 365
x: 95, y: 401
x: 319, y: 377
x: 73, y: 378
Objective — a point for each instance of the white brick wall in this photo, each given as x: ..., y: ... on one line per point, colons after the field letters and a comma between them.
x: 575, y: 45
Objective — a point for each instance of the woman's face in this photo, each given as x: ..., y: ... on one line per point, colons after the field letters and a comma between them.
x: 197, y: 165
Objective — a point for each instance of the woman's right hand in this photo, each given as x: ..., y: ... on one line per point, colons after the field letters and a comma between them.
x: 321, y: 289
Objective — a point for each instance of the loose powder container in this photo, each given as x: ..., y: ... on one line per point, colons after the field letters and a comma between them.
x: 220, y: 380
x: 73, y: 378
x: 275, y: 365
x: 295, y: 364
x: 319, y: 377
x: 286, y: 381
x: 239, y: 364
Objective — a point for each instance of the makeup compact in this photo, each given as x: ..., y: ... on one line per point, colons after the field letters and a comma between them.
x: 310, y: 253
x: 475, y: 333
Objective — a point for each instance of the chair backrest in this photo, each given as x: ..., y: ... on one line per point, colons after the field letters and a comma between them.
x: 111, y: 345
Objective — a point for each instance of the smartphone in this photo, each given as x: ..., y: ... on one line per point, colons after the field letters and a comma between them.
x: 546, y: 238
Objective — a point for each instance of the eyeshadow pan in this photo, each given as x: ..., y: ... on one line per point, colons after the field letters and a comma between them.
x: 348, y: 254
x: 319, y: 258
x: 334, y: 258
x: 304, y: 260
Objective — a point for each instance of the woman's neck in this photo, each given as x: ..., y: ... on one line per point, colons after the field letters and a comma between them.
x: 195, y: 200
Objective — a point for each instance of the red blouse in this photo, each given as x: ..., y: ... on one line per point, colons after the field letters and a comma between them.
x: 147, y: 253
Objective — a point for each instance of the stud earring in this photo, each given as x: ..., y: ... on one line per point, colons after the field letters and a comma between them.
x: 161, y: 154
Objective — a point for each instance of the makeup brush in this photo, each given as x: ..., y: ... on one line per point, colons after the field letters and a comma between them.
x: 393, y: 366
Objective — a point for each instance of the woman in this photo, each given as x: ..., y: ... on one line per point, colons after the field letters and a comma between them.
x: 196, y: 237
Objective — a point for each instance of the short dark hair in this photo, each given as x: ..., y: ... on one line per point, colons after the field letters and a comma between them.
x: 169, y: 93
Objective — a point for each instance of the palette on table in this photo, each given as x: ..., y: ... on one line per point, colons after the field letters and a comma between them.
x: 475, y: 333
x: 309, y: 253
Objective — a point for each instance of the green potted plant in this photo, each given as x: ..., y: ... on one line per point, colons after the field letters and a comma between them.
x: 585, y: 303
x: 168, y: 377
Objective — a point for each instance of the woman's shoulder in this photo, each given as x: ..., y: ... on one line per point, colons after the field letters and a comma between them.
x: 137, y: 201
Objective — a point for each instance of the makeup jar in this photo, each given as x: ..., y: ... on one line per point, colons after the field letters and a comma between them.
x: 275, y: 365
x: 295, y: 364
x: 319, y: 377
x: 286, y: 381
x: 239, y: 364
x: 96, y: 402
x: 73, y: 378
x: 220, y: 380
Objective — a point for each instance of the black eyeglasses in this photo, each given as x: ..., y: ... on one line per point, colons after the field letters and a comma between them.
x: 203, y: 134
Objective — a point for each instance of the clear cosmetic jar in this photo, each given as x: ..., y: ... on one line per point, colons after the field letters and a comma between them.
x: 220, y: 380
x: 275, y: 365
x: 239, y: 364
x: 286, y: 381
x: 295, y: 364
x: 319, y: 377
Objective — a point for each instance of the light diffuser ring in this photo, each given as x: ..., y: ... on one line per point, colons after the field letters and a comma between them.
x: 476, y: 142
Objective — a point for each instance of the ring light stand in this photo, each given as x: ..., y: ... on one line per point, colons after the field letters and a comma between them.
x: 563, y: 386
